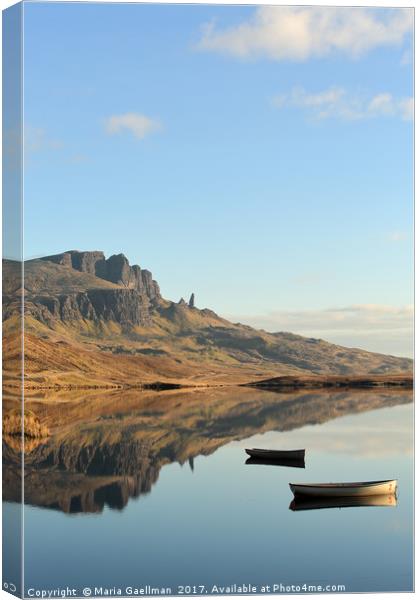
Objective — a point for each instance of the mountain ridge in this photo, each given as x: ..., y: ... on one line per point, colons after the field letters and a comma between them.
x: 103, y: 321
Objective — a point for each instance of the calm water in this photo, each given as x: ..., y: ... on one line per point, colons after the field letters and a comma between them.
x: 213, y: 520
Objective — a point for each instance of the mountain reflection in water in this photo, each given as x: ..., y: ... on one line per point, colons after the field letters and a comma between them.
x: 90, y: 462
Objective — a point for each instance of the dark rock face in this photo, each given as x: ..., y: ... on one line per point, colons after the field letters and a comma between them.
x: 191, y: 303
x: 86, y: 262
x: 151, y: 287
x: 126, y: 307
x: 76, y: 479
x: 129, y: 306
x: 116, y: 269
x: 127, y: 457
x: 137, y: 276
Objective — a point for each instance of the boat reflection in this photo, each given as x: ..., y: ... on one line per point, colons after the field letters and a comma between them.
x: 312, y: 503
x: 297, y: 463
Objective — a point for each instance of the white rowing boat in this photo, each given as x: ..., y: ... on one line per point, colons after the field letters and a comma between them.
x: 361, y: 488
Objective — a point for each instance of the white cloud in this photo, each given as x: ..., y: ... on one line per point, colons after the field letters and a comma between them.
x: 376, y: 327
x: 337, y: 103
x: 36, y: 140
x: 397, y: 236
x: 381, y: 104
x: 406, y: 107
x: 386, y: 105
x: 406, y: 58
x: 139, y: 125
x: 300, y: 33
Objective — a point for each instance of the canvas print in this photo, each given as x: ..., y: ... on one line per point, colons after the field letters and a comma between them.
x: 207, y: 299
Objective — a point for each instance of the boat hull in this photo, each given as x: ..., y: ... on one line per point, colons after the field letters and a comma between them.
x: 366, y: 488
x: 275, y: 454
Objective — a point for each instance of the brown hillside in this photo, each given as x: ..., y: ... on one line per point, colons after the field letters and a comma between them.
x: 96, y: 321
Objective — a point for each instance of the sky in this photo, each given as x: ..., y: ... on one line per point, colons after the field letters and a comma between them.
x: 260, y: 157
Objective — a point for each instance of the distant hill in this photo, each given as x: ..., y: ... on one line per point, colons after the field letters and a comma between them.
x: 96, y: 321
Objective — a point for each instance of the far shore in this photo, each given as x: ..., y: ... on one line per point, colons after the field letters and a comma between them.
x: 336, y: 381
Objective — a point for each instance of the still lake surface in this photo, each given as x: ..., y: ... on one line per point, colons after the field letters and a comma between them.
x: 214, y: 520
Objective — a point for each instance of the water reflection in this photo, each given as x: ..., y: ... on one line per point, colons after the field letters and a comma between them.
x: 107, y: 448
x: 306, y: 503
x: 296, y: 463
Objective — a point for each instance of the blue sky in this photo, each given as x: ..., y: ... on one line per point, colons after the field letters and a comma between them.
x: 260, y: 157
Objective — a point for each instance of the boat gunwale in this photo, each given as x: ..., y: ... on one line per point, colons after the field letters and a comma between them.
x: 266, y: 451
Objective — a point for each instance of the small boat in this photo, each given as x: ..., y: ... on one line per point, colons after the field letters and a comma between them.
x: 298, y: 463
x: 308, y: 503
x: 361, y: 488
x: 275, y: 454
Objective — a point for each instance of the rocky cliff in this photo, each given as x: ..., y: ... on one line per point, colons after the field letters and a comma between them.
x: 115, y: 269
x: 49, y: 297
x: 124, y: 306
